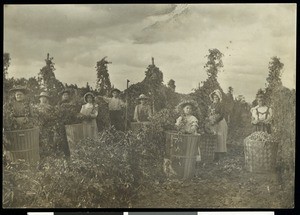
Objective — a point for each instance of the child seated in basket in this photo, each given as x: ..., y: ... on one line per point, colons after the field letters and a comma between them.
x: 187, y: 123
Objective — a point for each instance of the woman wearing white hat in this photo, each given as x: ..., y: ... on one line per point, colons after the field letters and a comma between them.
x: 218, y: 123
x: 90, y: 111
x: 142, y: 111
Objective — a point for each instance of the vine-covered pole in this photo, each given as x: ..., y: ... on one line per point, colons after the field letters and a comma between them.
x: 126, y: 110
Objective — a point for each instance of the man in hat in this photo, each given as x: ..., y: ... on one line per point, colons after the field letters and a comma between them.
x: 142, y: 111
x: 115, y: 106
x: 20, y: 108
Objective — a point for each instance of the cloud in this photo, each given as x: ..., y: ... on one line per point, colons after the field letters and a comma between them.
x: 177, y: 36
x: 59, y: 22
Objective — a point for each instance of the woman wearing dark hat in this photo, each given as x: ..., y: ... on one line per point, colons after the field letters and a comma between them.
x: 20, y: 108
x: 90, y: 111
x: 261, y: 115
x: 187, y: 123
x: 142, y: 111
x: 218, y: 123
x: 115, y: 105
x: 46, y: 117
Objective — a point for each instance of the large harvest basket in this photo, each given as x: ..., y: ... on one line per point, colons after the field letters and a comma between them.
x: 260, y: 156
x: 89, y: 130
x: 137, y: 126
x: 207, y: 147
x: 183, y: 152
x: 74, y: 133
x: 24, y: 144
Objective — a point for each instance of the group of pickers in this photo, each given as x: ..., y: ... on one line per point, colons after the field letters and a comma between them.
x: 186, y: 123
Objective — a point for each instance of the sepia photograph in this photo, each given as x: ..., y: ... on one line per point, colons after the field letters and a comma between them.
x: 149, y: 106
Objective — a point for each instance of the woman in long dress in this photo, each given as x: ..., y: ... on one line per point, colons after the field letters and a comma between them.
x: 90, y: 111
x: 261, y: 115
x: 218, y: 123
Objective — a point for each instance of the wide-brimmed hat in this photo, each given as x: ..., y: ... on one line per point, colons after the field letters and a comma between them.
x: 87, y: 94
x: 184, y: 103
x: 217, y: 93
x: 19, y: 88
x: 115, y: 90
x: 65, y: 91
x: 143, y: 97
x: 44, y: 94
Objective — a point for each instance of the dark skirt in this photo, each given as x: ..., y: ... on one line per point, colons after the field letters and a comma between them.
x: 116, y: 119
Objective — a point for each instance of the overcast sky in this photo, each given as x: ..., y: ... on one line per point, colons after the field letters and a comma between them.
x: 177, y: 36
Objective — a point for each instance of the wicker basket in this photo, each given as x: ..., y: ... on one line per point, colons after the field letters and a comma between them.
x: 207, y: 147
x: 183, y: 151
x: 260, y: 156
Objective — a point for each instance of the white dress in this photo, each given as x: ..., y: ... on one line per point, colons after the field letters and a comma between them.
x: 92, y: 111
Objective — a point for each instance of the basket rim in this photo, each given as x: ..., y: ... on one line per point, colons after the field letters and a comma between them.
x: 22, y: 130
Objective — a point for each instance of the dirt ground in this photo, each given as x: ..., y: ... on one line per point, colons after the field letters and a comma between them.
x: 222, y: 184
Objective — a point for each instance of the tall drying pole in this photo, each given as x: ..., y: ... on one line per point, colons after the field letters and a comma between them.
x: 126, y: 110
x: 153, y: 105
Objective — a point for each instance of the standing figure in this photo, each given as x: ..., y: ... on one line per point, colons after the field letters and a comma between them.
x: 218, y: 123
x: 21, y: 110
x: 261, y: 115
x: 64, y: 109
x: 90, y: 111
x: 115, y: 105
x: 142, y: 111
x: 187, y: 123
x: 46, y: 121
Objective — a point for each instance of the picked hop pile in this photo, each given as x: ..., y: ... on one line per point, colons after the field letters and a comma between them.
x: 261, y: 136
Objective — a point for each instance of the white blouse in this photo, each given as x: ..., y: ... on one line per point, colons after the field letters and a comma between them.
x: 89, y: 109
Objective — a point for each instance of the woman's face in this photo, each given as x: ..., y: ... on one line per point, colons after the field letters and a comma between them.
x: 215, y: 98
x: 187, y: 110
x: 44, y: 100
x: 260, y: 102
x: 20, y: 96
x: 115, y: 94
x: 89, y: 99
x: 65, y: 96
x: 143, y: 101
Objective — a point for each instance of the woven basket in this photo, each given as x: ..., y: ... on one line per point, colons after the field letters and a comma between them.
x: 207, y: 147
x: 260, y: 156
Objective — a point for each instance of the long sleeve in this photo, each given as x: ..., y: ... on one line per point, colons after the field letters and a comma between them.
x: 149, y: 111
x: 135, y: 115
x: 94, y: 112
x: 106, y: 99
x: 270, y: 116
x: 82, y: 109
x: 178, y: 121
x: 219, y: 113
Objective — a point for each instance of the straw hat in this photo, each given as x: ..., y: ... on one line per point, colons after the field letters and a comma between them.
x: 217, y: 93
x: 142, y: 96
x: 184, y: 103
x: 44, y: 94
x: 85, y: 96
x: 115, y: 90
x: 19, y: 88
